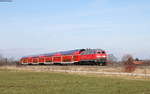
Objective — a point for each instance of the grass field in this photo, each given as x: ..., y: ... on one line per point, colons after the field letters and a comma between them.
x: 19, y: 82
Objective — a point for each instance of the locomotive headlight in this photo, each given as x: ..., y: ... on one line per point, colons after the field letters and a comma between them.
x: 103, y: 56
x: 98, y: 56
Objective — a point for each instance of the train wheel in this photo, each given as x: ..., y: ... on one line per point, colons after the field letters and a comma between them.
x: 29, y: 63
x: 41, y: 63
x: 104, y: 64
x: 100, y: 64
x: 76, y: 63
x: 57, y: 64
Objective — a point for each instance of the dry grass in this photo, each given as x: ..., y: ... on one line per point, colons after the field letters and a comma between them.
x: 69, y: 69
x: 140, y: 69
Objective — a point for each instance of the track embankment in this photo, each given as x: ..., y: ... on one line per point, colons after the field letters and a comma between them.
x: 99, y: 70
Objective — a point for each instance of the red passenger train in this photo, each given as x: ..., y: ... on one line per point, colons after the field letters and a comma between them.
x: 79, y: 56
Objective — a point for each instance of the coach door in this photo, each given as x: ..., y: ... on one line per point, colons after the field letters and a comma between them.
x: 57, y: 59
x: 48, y: 60
x: 67, y: 59
x: 76, y: 58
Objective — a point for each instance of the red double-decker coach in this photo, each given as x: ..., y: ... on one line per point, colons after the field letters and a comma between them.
x: 79, y: 56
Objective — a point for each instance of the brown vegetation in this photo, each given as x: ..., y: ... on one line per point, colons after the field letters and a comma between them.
x: 128, y: 65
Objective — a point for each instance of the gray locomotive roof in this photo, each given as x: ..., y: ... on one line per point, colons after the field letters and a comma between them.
x: 94, y: 50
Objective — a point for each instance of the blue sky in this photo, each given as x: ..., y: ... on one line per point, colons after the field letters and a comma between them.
x: 36, y: 26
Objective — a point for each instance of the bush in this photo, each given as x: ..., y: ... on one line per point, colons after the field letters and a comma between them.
x: 128, y: 65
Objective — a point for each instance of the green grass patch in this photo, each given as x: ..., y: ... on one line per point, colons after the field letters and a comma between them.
x: 60, y: 83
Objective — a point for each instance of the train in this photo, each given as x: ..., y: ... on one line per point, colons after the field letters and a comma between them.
x: 77, y: 56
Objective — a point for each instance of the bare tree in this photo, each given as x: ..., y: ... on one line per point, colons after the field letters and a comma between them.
x: 126, y: 57
x: 7, y: 61
x: 128, y: 65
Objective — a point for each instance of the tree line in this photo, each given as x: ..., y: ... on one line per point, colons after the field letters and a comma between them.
x: 7, y: 61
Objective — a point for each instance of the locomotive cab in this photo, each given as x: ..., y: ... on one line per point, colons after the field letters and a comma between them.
x: 101, y: 57
x: 101, y: 54
x: 93, y: 56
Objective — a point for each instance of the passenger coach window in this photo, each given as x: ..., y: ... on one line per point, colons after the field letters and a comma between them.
x: 24, y: 60
x: 35, y: 60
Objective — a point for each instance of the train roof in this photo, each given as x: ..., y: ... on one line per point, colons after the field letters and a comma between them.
x: 62, y: 52
x: 68, y: 52
x: 51, y: 54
